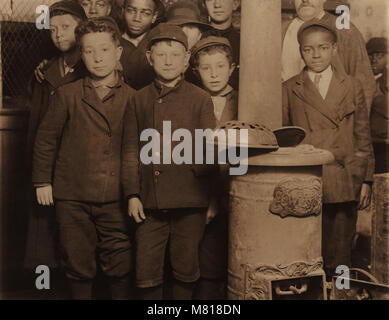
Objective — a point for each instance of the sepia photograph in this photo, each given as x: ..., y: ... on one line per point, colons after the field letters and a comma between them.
x: 212, y: 151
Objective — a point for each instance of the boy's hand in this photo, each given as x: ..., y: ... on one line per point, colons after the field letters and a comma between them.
x: 212, y: 210
x: 44, y: 195
x: 365, y: 198
x: 135, y: 209
x: 38, y: 71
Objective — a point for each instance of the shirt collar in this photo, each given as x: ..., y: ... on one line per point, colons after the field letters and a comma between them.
x: 225, y: 92
x: 134, y: 41
x: 164, y: 90
x: 327, y: 73
x: 116, y: 83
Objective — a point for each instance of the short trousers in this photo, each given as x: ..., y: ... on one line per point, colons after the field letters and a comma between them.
x: 181, y: 230
x: 90, y: 232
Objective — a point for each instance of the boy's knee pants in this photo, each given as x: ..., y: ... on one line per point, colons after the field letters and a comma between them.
x: 90, y: 232
x: 183, y: 228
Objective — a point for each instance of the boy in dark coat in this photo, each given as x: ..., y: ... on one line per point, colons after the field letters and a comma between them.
x: 62, y: 69
x: 213, y: 63
x: 331, y: 107
x: 76, y: 161
x: 168, y: 201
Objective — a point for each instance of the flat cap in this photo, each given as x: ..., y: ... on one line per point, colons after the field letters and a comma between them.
x: 186, y: 12
x: 377, y: 45
x: 166, y: 31
x: 68, y: 6
x: 315, y: 23
x: 210, y: 41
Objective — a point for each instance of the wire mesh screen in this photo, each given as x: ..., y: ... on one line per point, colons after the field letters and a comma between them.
x: 23, y: 46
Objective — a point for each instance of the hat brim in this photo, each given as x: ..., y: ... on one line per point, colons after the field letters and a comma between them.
x: 183, y: 21
x: 157, y: 38
x: 209, y: 44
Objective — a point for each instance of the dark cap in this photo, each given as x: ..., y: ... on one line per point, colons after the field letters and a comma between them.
x: 166, y: 31
x: 316, y: 23
x: 70, y: 7
x: 377, y: 45
x: 185, y: 12
x: 210, y: 41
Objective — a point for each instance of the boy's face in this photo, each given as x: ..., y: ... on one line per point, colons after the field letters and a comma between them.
x: 100, y: 53
x: 309, y: 9
x: 215, y: 71
x: 96, y: 8
x: 169, y: 59
x: 378, y: 62
x: 139, y: 16
x: 62, y: 31
x: 221, y: 10
x: 193, y: 33
x: 317, y: 49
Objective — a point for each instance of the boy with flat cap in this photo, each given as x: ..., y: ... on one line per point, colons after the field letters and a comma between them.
x: 212, y: 61
x: 64, y: 68
x: 331, y: 107
x: 168, y: 201
x: 186, y: 14
x: 77, y: 160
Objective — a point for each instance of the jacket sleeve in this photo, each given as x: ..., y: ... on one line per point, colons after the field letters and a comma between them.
x: 362, y: 136
x: 207, y: 121
x: 48, y: 139
x: 130, y: 152
x: 285, y: 106
x: 356, y: 61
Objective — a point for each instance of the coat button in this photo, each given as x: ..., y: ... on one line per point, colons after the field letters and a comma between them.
x: 159, y: 100
x: 52, y: 92
x: 112, y: 173
x: 157, y: 173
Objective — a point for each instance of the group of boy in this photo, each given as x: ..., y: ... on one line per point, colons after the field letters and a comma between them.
x: 86, y: 138
x: 86, y: 121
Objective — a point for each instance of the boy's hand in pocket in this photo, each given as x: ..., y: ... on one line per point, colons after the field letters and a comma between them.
x: 44, y: 195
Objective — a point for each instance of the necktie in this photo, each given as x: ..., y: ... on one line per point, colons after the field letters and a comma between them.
x: 317, y: 81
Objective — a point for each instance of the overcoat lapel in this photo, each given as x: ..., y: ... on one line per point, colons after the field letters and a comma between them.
x: 90, y: 97
x: 305, y: 90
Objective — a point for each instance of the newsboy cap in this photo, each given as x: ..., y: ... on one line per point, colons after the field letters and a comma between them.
x: 315, y: 23
x: 166, y: 31
x: 210, y: 41
x: 186, y: 12
x: 379, y: 45
x: 70, y: 7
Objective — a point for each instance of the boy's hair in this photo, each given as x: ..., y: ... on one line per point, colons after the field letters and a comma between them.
x: 316, y: 28
x: 100, y: 24
x: 156, y: 4
x: 221, y: 48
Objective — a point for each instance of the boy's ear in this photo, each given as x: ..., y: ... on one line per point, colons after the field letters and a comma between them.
x: 119, y: 51
x: 149, y: 59
x: 232, y: 68
x: 335, y: 46
x: 187, y: 58
x: 155, y: 16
